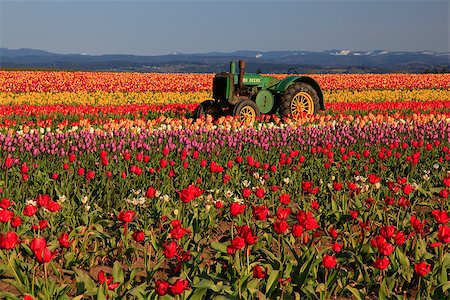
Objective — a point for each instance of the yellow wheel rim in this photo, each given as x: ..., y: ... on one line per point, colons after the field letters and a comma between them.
x: 247, y: 113
x: 302, y: 103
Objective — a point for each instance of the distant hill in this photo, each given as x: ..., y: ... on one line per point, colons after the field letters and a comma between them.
x: 330, y: 61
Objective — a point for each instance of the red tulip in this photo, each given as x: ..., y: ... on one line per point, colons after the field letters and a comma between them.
x: 260, y: 193
x: 446, y: 181
x: 236, y: 209
x: 280, y: 226
x: 333, y: 232
x: 399, y: 238
x: 307, y: 220
x: 328, y: 261
x: 178, y: 287
x: 246, y: 233
x: 170, y: 249
x: 443, y: 193
x: 178, y: 231
x: 306, y: 185
x: 8, y: 162
x: 387, y: 231
x: 6, y: 215
x: 8, y: 240
x: 126, y: 216
x: 440, y: 216
x: 163, y: 163
x: 161, y: 287
x: 5, y: 203
x: 283, y: 213
x: 101, y: 277
x: 15, y: 222
x: 42, y: 200
x: 246, y: 192
x: 417, y: 224
x: 71, y: 157
x: 315, y: 205
x: 337, y: 186
x: 337, y: 247
x: 150, y: 193
x: 258, y: 272
x: 382, y: 263
x: 386, y: 248
x: 260, y: 212
x: 139, y: 236
x: 407, y: 189
x: 90, y: 175
x: 64, y: 240
x: 30, y: 210
x: 444, y: 234
x: 113, y: 286
x: 238, y: 243
x: 187, y: 194
x: 297, y: 230
x: 38, y: 244
x: 44, y: 255
x: 229, y: 164
x: 126, y: 156
x: 53, y: 206
x: 231, y: 250
x: 354, y: 214
x: 165, y: 151
x: 285, y: 199
x: 422, y: 268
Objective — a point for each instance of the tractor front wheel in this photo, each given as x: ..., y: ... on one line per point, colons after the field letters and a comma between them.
x: 299, y: 98
x: 208, y: 107
x: 247, y: 110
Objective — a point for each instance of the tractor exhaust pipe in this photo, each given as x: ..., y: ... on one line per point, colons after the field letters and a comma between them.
x: 241, y: 74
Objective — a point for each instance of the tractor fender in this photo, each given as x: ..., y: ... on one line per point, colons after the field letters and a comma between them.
x: 287, y: 81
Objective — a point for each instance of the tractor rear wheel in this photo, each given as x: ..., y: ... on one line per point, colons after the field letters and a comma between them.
x: 299, y: 98
x: 208, y: 107
x: 247, y: 110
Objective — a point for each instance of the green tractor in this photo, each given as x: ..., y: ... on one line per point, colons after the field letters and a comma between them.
x: 249, y: 95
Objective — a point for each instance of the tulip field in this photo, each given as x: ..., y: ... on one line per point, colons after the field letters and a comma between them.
x: 111, y: 189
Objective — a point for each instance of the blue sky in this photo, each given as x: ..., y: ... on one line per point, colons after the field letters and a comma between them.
x: 162, y: 27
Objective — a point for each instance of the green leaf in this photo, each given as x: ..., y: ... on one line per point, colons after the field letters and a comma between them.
x: 271, y: 280
x: 219, y: 247
x: 270, y: 255
x: 198, y: 294
x: 306, y: 268
x: 382, y: 291
x: 139, y: 290
x: 402, y: 258
x: 85, y: 282
x: 357, y: 293
x: 445, y: 287
x: 117, y: 272
x: 100, y: 294
x: 207, y: 284
x: 8, y: 296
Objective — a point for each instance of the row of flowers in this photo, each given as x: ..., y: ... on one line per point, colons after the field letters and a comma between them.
x: 263, y: 137
x: 15, y: 81
x: 335, y: 211
x: 180, y: 116
x: 162, y: 98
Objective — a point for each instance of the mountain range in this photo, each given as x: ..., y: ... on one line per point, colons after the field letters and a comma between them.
x: 329, y: 61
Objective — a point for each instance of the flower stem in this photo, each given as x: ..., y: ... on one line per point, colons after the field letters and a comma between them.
x: 418, y: 288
